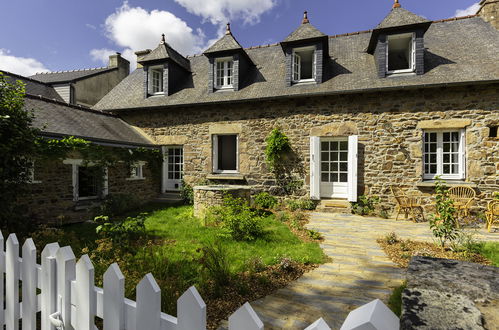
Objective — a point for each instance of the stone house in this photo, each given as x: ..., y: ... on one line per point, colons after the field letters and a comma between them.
x: 66, y: 190
x: 410, y: 100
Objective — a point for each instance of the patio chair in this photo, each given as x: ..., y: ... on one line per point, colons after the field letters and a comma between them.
x: 492, y: 214
x: 407, y: 204
x: 463, y: 199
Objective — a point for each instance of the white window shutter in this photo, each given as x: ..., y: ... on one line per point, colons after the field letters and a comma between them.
x: 215, y: 153
x: 315, y: 183
x: 314, y: 65
x: 462, y: 154
x: 296, y: 67
x: 413, y: 51
x: 353, y: 141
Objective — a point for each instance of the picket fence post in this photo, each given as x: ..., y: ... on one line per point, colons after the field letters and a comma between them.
x: 85, y: 301
x: 245, y: 318
x: 2, y: 271
x: 66, y: 273
x: 191, y: 311
x: 114, y: 298
x: 29, y: 278
x: 12, y: 283
x: 48, y: 284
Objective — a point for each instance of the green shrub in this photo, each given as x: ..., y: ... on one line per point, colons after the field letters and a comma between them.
x: 395, y: 300
x: 308, y: 204
x: 186, y: 193
x: 117, y: 204
x: 443, y: 223
x: 300, y: 204
x: 265, y: 200
x: 365, y: 205
x: 314, y: 234
x: 255, y: 265
x: 282, y: 216
x: 122, y: 230
x: 391, y: 238
x: 237, y: 218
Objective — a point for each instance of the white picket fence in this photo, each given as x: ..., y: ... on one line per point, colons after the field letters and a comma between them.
x: 69, y: 300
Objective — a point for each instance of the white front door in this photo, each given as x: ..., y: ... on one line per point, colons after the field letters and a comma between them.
x: 334, y: 168
x: 173, y: 168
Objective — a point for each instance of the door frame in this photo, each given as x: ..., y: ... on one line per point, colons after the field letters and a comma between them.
x: 165, y: 182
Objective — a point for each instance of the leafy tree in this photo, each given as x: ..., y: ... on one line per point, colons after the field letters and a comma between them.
x: 17, y: 146
x: 443, y: 223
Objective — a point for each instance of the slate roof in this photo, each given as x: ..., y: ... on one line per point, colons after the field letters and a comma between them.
x: 34, y: 87
x: 163, y: 52
x: 303, y: 32
x: 68, y: 76
x: 56, y: 118
x: 457, y: 52
x: 400, y: 17
x: 226, y: 43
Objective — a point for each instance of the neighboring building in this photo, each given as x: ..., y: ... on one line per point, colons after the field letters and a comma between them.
x: 67, y: 190
x: 401, y: 104
x: 87, y: 86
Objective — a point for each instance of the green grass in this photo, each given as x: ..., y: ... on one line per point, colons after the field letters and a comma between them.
x: 178, y: 224
x: 489, y: 250
x: 395, y: 300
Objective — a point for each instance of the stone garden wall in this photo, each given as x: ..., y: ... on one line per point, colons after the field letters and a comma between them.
x: 209, y: 196
x: 388, y: 125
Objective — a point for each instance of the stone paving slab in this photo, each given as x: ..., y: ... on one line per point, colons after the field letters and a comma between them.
x: 359, y: 271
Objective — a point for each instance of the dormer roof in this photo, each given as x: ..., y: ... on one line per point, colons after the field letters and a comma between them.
x: 305, y: 31
x: 226, y: 43
x: 162, y: 53
x: 398, y: 19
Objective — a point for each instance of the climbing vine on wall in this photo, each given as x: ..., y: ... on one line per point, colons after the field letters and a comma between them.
x: 277, y: 147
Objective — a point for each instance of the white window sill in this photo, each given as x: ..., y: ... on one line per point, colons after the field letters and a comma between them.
x: 304, y: 82
x: 157, y: 94
x: 450, y: 183
x: 225, y: 176
x: 135, y: 179
x: 224, y: 89
x: 87, y: 198
x: 400, y: 72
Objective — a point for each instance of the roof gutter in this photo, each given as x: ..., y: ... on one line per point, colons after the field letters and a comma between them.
x: 313, y: 94
x: 102, y: 142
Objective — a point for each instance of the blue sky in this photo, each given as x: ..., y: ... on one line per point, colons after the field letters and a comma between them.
x: 41, y: 35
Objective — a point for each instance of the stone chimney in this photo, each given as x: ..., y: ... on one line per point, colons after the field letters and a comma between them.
x: 489, y: 12
x: 116, y: 60
x: 140, y: 54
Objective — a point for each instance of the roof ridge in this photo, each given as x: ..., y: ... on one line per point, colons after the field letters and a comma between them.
x: 8, y: 73
x: 75, y: 70
x: 74, y: 106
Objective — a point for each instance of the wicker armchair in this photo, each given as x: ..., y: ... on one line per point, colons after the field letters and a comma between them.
x: 463, y: 199
x: 410, y: 205
x: 492, y: 214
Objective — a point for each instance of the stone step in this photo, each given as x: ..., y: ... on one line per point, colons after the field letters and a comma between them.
x: 334, y: 206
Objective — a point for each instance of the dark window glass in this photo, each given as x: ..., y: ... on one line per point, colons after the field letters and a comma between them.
x: 227, y: 152
x: 88, y: 181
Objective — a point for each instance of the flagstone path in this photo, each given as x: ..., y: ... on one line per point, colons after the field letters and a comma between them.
x: 358, y: 273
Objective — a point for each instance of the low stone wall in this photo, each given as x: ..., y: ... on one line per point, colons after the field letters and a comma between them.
x: 208, y: 196
x: 450, y: 294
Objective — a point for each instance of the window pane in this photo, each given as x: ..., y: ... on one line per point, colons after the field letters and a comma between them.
x: 325, y: 156
x: 334, y: 177
x: 324, y: 146
x: 88, y: 181
x: 334, y: 156
x: 446, y: 158
x: 227, y: 152
x: 325, y: 167
x: 325, y: 177
x: 433, y: 169
x: 344, y: 156
x: 306, y: 60
x: 334, y: 145
x: 344, y: 145
x: 344, y: 167
x: 399, y: 52
x: 335, y: 166
x: 343, y: 177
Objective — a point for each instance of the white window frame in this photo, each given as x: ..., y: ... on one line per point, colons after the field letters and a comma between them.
x: 296, y: 65
x: 151, y: 87
x: 31, y: 174
x: 461, y: 175
x: 413, y: 53
x: 75, y: 165
x: 137, y: 171
x: 225, y: 67
x: 216, y: 151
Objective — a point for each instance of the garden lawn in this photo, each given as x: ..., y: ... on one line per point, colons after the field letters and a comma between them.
x: 489, y: 250
x: 187, y: 236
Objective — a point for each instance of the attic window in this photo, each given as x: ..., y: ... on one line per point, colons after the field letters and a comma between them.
x: 224, y: 73
x: 303, y: 64
x: 493, y: 131
x: 401, y: 53
x: 156, y: 80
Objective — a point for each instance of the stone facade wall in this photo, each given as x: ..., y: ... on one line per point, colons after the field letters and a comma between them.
x: 50, y: 198
x: 208, y: 196
x: 390, y: 141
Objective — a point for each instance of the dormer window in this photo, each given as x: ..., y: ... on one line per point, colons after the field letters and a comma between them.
x: 224, y: 73
x: 156, y: 81
x: 401, y: 53
x: 304, y: 64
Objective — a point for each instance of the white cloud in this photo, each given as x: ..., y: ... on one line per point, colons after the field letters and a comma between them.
x: 135, y: 28
x: 471, y: 10
x: 222, y: 11
x: 21, y: 65
x: 101, y: 55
